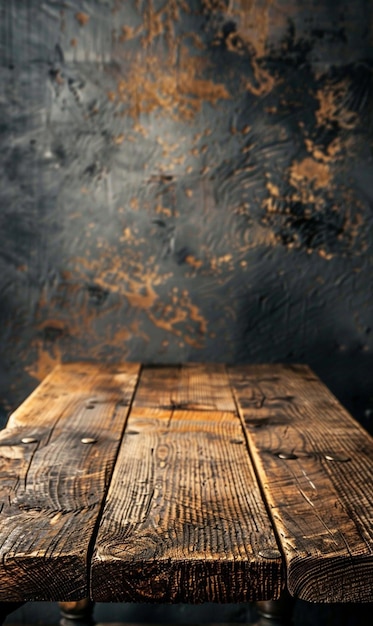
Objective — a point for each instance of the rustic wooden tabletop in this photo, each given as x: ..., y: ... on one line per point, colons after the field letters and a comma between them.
x: 188, y: 483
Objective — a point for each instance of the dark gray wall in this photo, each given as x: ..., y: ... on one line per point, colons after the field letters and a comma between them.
x: 186, y: 181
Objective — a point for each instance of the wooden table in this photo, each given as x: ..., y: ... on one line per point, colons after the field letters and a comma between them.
x: 191, y: 483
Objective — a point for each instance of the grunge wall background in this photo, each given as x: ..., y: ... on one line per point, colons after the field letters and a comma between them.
x: 187, y: 181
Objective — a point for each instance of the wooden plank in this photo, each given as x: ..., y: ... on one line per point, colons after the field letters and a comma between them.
x: 184, y: 520
x: 52, y: 489
x: 193, y: 386
x: 315, y: 464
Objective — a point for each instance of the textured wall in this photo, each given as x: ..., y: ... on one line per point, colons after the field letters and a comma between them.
x: 187, y: 180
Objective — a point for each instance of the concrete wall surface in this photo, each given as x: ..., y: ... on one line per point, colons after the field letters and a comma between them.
x: 186, y: 181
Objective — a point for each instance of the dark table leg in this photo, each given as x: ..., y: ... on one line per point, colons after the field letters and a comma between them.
x: 77, y: 613
x: 276, y: 612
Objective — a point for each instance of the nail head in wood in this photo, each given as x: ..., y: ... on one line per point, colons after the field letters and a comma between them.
x: 88, y: 440
x: 29, y: 440
x: 270, y: 553
x: 288, y: 456
x: 337, y: 457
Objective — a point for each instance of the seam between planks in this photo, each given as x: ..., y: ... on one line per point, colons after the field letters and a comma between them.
x: 92, y: 541
x: 257, y: 476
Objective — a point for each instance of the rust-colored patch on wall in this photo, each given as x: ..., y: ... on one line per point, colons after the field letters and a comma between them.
x: 153, y: 22
x: 273, y: 189
x: 193, y: 262
x: 250, y: 37
x: 310, y: 172
x: 333, y: 106
x: 46, y: 360
x: 180, y: 317
x: 174, y: 313
x: 252, y: 23
x: 178, y: 92
x: 77, y: 309
x: 211, y: 6
x: 82, y: 18
x: 141, y: 295
x: 264, y: 81
x: 160, y: 23
x: 327, y: 154
x: 123, y: 276
x: 254, y: 18
x: 128, y: 33
x: 164, y: 78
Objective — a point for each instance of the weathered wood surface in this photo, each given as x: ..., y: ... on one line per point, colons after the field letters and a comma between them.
x: 51, y: 489
x: 200, y: 386
x: 184, y: 519
x: 315, y: 464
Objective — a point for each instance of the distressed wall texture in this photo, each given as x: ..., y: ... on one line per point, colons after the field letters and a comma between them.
x: 187, y: 181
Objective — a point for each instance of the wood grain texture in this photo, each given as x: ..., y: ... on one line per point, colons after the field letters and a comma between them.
x: 52, y: 489
x: 322, y: 508
x: 198, y: 385
x: 184, y: 520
